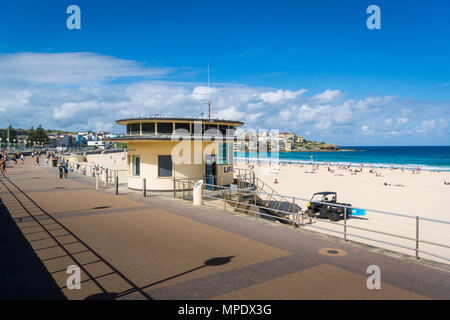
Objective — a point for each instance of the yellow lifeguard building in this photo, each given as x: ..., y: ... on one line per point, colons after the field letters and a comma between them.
x: 161, y: 150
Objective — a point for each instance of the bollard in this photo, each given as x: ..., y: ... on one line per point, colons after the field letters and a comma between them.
x: 345, y: 223
x: 105, y: 178
x: 116, y: 182
x: 417, y: 237
x: 197, y: 195
x: 174, y: 188
x: 96, y: 180
x: 144, y: 187
x: 294, y: 214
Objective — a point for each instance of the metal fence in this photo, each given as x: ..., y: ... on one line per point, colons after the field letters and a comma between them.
x: 296, y: 219
x: 105, y: 175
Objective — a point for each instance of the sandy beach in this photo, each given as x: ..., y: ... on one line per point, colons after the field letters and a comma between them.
x: 423, y: 194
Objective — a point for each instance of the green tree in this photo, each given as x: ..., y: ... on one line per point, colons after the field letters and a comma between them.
x: 38, y: 135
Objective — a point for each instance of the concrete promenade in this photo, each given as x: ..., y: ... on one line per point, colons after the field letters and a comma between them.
x: 130, y: 247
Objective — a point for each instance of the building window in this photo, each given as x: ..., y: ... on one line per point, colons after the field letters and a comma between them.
x: 135, y: 128
x: 223, y: 130
x: 181, y: 125
x: 230, y: 153
x: 148, y: 128
x: 136, y: 165
x: 210, y: 129
x: 164, y: 166
x: 225, y: 153
x: 165, y: 127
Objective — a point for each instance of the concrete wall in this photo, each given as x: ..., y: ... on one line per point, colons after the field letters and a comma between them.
x: 114, y: 161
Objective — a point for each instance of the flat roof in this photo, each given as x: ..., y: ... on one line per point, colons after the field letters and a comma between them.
x: 170, y: 137
x: 158, y: 119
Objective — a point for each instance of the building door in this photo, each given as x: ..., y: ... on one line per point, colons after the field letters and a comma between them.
x: 210, y: 171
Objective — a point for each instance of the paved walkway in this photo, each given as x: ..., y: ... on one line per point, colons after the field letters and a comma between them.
x: 129, y: 247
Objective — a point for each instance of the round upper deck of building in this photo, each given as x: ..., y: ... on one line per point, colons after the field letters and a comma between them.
x: 163, y: 128
x: 127, y: 121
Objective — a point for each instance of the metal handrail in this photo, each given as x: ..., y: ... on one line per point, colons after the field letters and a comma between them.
x: 345, y: 225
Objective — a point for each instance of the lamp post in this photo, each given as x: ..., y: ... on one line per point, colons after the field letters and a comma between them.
x: 15, y: 145
x: 7, y: 144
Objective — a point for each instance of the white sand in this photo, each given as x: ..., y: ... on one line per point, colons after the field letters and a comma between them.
x: 423, y: 194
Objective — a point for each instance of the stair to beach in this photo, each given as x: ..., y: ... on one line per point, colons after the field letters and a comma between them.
x: 253, y: 191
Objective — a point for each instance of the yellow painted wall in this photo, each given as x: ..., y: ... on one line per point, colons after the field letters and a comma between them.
x: 149, y: 151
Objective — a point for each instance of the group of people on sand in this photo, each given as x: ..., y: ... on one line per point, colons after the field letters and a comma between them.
x: 393, y: 185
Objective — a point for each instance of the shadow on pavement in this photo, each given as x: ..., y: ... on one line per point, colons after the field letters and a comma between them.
x: 22, y: 274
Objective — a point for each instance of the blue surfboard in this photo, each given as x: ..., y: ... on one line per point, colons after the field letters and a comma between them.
x: 358, y: 212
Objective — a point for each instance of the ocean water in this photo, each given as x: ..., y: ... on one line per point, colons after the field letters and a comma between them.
x: 427, y: 157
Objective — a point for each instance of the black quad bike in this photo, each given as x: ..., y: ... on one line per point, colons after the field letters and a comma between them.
x: 323, y: 205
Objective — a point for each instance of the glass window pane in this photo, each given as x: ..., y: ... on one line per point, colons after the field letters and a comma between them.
x: 164, y: 166
x: 222, y: 153
x: 230, y: 153
x: 165, y: 127
x: 180, y: 125
x: 148, y: 128
x: 136, y: 165
x: 135, y: 128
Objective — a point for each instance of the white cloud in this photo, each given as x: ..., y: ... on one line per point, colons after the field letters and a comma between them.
x: 327, y: 96
x: 230, y: 113
x: 203, y: 93
x: 279, y: 95
x: 405, y: 111
x: 70, y: 68
x: 369, y: 102
x: 388, y: 122
x: 428, y: 124
x: 402, y: 120
x: 74, y: 92
x: 367, y: 130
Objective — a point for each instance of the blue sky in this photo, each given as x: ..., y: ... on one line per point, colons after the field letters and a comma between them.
x: 308, y: 66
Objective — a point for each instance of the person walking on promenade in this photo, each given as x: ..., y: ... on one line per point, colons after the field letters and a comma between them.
x: 3, y: 164
x: 61, y: 169
x: 66, y: 168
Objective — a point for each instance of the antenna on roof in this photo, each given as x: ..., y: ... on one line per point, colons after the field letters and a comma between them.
x: 209, y: 100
